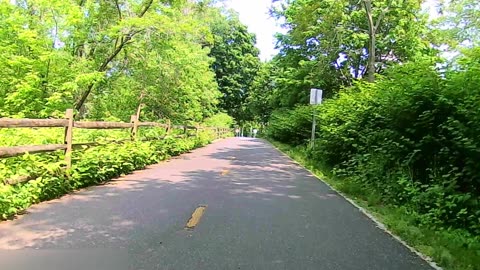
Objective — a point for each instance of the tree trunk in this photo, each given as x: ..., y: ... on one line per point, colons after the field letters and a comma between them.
x: 371, y: 42
x: 371, y: 58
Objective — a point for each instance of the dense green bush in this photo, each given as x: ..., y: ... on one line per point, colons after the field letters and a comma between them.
x: 90, y: 166
x: 291, y: 126
x: 414, y: 137
x: 219, y: 120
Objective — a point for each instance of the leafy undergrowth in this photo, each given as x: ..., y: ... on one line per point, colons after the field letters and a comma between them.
x: 453, y: 249
x: 413, y: 136
x: 90, y: 166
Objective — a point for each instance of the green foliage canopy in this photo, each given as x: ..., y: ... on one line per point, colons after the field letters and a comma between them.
x: 326, y: 44
x: 108, y: 57
x: 236, y: 63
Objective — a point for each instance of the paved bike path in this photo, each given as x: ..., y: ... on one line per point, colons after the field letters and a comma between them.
x: 262, y: 212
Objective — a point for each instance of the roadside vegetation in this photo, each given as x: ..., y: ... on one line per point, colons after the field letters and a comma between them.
x: 164, y: 61
x: 90, y: 166
x: 399, y: 129
x: 450, y: 248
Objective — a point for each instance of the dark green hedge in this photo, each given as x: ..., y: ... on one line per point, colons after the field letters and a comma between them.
x: 414, y: 136
x: 291, y: 126
x: 91, y: 166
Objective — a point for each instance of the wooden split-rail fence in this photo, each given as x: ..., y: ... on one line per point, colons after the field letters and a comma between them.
x: 69, y: 124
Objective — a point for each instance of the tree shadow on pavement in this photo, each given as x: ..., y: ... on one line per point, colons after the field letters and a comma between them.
x: 239, y: 181
x: 247, y: 171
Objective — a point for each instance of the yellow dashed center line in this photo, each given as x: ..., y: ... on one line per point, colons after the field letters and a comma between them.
x: 196, y: 216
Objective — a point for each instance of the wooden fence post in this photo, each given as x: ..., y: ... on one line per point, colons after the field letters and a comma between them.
x: 134, y: 121
x: 169, y: 126
x: 69, y: 138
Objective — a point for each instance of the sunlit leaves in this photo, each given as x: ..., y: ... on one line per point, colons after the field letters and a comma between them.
x: 119, y: 53
x: 236, y: 63
x: 458, y: 23
x: 326, y: 45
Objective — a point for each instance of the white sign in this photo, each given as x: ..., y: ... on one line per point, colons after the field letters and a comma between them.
x: 316, y: 96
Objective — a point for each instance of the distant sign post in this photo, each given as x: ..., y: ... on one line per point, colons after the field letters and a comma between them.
x: 315, y: 99
x: 316, y: 96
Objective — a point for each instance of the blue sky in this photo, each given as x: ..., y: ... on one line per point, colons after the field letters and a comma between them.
x: 254, y: 13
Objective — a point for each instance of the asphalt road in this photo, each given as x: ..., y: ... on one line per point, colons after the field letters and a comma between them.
x: 262, y: 212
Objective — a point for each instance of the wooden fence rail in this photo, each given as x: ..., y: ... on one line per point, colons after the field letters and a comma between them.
x: 152, y: 124
x: 102, y: 125
x: 20, y: 123
x: 69, y: 124
x: 14, y: 151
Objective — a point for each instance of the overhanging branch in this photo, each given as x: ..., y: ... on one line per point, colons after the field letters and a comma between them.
x: 118, y: 48
x: 382, y: 15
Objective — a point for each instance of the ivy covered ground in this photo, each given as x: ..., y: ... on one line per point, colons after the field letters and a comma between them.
x: 91, y: 166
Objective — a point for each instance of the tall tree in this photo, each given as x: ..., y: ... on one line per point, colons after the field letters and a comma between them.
x: 259, y: 102
x: 236, y: 63
x: 125, y: 30
x: 107, y: 58
x: 373, y: 26
x: 330, y: 43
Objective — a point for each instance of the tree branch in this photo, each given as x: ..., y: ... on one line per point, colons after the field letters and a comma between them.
x: 382, y: 15
x: 146, y: 7
x: 118, y: 10
x: 371, y: 42
x: 124, y: 41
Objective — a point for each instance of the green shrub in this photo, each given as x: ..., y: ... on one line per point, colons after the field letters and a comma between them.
x: 220, y: 120
x: 291, y: 126
x: 90, y: 166
x: 413, y: 136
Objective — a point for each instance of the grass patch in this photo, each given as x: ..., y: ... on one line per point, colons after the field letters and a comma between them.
x: 451, y: 249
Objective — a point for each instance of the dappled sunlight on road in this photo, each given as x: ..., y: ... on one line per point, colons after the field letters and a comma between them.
x: 254, y: 197
x: 230, y: 170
